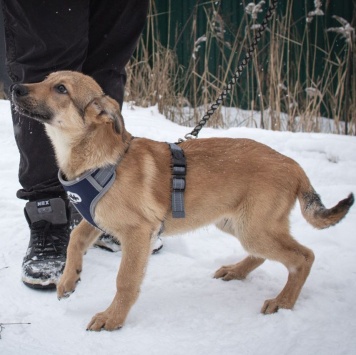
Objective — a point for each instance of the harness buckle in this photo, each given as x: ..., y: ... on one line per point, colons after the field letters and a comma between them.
x: 178, y: 183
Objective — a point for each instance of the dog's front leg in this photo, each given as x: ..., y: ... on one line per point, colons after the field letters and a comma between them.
x: 136, y: 248
x: 81, y: 238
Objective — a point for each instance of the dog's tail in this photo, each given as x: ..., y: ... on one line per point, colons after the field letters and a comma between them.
x: 315, y: 212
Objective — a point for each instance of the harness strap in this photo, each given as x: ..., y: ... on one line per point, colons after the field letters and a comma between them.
x: 179, y: 168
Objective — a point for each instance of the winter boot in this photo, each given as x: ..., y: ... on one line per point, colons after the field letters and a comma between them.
x: 109, y: 243
x: 46, y: 254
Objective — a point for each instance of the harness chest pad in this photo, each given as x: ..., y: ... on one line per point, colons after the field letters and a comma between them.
x: 85, y: 191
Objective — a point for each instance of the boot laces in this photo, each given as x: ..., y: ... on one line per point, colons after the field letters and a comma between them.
x: 49, y: 240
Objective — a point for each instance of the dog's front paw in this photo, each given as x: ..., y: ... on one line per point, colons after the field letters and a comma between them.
x: 104, y: 320
x: 66, y: 285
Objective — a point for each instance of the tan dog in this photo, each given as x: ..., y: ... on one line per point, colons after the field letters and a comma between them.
x: 245, y: 188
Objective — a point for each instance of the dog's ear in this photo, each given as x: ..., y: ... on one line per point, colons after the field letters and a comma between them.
x: 108, y: 110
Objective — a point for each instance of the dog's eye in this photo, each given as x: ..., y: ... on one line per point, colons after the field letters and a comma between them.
x: 61, y: 89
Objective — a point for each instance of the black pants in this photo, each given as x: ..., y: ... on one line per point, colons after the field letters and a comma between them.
x: 96, y: 37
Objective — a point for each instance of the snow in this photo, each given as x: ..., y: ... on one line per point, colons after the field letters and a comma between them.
x: 182, y: 309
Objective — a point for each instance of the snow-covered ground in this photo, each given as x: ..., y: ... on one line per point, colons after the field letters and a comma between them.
x: 182, y: 309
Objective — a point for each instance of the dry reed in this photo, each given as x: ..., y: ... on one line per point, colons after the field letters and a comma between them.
x: 282, y: 82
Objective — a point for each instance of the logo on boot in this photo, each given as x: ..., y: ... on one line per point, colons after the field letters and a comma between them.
x: 44, y: 206
x: 74, y: 198
x: 45, y: 203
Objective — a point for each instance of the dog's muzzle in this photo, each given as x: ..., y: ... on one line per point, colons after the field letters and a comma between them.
x: 27, y: 106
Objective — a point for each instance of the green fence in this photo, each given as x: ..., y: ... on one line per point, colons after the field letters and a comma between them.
x: 298, y: 61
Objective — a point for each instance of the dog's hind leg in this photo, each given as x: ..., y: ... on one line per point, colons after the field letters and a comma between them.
x: 240, y: 270
x: 264, y: 234
x: 298, y: 259
x: 81, y: 238
x: 136, y: 249
x: 270, y: 239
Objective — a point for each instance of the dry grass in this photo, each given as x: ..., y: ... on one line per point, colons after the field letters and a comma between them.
x: 282, y: 80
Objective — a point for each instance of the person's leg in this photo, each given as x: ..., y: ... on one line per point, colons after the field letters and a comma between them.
x: 114, y: 29
x: 41, y: 37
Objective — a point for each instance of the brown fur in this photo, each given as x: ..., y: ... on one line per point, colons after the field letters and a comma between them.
x: 246, y: 188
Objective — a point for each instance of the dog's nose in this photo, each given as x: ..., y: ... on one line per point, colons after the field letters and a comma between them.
x: 19, y: 90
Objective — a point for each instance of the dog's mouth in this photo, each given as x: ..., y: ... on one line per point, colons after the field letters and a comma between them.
x: 40, y: 116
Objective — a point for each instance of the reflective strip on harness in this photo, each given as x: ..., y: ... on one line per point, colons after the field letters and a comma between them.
x: 178, y: 181
x: 85, y: 191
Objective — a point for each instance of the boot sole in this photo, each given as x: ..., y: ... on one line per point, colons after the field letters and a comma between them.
x: 50, y: 286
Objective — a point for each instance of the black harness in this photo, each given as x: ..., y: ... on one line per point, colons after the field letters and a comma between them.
x: 86, y: 190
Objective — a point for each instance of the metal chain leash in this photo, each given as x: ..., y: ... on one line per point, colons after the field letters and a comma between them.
x: 194, y: 133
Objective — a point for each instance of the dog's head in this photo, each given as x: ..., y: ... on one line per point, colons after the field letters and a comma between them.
x: 64, y: 99
x: 78, y: 116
